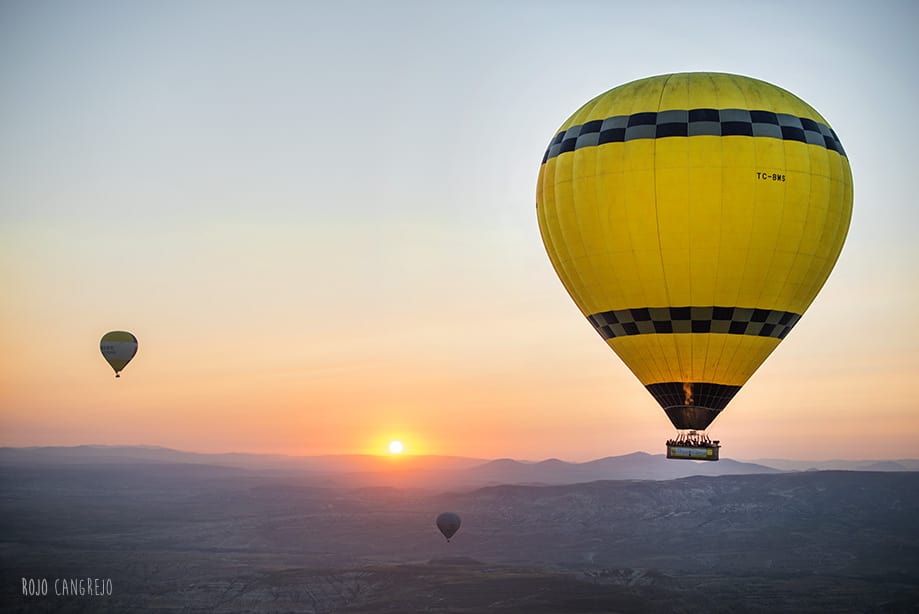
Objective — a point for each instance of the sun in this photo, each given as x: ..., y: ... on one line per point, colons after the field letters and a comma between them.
x: 396, y: 447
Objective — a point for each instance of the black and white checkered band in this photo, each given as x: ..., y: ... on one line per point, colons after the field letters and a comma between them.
x: 693, y: 122
x: 666, y: 320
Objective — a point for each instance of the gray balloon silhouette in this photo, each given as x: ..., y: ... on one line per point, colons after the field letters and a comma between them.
x: 449, y: 524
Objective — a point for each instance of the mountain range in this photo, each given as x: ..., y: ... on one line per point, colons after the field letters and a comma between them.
x: 436, y: 472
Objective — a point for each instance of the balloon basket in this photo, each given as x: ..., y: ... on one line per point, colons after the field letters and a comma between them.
x: 693, y: 446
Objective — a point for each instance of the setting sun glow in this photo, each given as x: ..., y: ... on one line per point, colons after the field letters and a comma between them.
x: 395, y: 447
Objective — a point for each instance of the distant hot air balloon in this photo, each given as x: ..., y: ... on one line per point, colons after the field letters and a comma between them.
x: 449, y: 524
x: 118, y: 348
x: 693, y: 218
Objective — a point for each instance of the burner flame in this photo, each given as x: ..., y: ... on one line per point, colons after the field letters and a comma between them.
x: 687, y: 393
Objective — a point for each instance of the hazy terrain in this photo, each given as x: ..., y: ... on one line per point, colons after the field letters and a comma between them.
x: 430, y: 472
x: 191, y: 536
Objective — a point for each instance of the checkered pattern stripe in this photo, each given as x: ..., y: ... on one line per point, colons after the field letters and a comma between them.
x: 693, y: 122
x: 727, y: 320
x: 701, y: 394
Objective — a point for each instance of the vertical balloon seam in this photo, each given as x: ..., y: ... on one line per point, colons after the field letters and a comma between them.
x: 637, y: 352
x: 622, y: 202
x: 829, y: 228
x: 601, y: 205
x: 817, y: 204
x: 750, y: 180
x: 564, y: 221
x: 564, y: 214
x: 822, y: 260
x: 712, y: 372
x: 617, y: 178
x: 684, y: 361
x: 695, y: 341
x: 638, y: 105
x: 784, y: 294
x: 716, y: 376
x: 577, y: 162
x: 568, y: 224
x: 758, y: 202
x: 688, y: 372
x: 743, y: 375
x: 717, y: 104
x: 703, y: 374
x: 692, y: 345
x: 601, y: 178
x: 793, y: 301
x: 737, y: 374
x: 660, y: 366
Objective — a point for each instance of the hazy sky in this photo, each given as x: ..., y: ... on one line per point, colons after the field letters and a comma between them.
x: 319, y: 220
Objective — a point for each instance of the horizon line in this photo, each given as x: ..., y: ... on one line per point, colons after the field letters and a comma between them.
x: 428, y: 455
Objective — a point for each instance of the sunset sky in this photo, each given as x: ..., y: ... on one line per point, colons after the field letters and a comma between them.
x: 318, y: 218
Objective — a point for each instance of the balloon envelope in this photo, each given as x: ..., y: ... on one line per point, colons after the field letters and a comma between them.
x: 118, y: 348
x: 449, y: 524
x: 693, y: 218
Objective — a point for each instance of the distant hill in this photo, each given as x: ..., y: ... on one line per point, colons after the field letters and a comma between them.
x: 635, y: 466
x: 341, y: 463
x: 907, y: 464
x: 428, y: 472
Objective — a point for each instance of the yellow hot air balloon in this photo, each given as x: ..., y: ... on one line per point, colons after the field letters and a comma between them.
x: 693, y: 218
x: 118, y: 348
